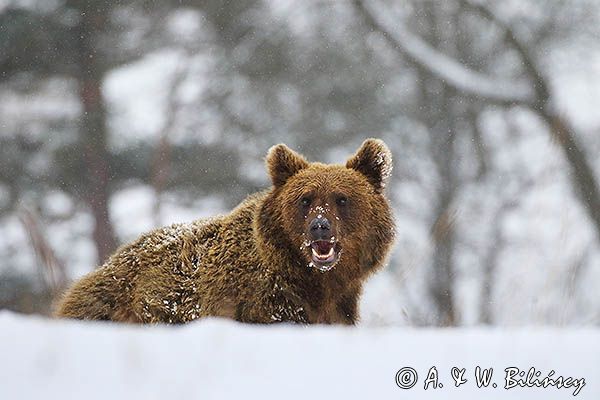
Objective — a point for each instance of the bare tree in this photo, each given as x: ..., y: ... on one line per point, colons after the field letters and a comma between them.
x: 532, y: 91
x: 436, y: 105
x: 93, y: 124
x: 492, y: 259
x: 52, y: 270
x: 161, y: 161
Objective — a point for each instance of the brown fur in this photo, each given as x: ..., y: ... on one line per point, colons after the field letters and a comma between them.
x: 250, y: 265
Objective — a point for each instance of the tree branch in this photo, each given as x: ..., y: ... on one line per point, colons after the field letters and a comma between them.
x: 453, y: 73
x: 539, y: 81
x: 585, y: 182
x: 535, y: 96
x: 53, y: 271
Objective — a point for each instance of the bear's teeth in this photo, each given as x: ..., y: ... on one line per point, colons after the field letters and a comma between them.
x: 323, y: 257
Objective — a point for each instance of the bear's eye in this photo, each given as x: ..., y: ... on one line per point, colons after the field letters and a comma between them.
x: 341, y: 201
x: 305, y: 202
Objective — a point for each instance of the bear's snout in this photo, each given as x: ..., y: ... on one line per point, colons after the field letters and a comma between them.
x: 320, y: 229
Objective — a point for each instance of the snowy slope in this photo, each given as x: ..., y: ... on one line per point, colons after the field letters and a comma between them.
x: 215, y: 359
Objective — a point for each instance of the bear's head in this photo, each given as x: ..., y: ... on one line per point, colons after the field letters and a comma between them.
x: 330, y: 214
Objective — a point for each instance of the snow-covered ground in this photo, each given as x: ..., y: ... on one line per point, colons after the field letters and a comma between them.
x: 43, y: 359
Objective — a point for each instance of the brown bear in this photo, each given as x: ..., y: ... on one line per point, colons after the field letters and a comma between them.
x: 298, y: 252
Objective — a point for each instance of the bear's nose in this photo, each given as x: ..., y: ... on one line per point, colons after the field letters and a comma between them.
x: 320, y: 228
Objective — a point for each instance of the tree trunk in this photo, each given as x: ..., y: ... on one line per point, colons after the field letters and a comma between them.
x: 584, y: 179
x: 441, y: 285
x: 437, y: 104
x: 93, y: 131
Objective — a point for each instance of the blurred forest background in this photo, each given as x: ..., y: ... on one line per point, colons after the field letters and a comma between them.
x: 119, y: 116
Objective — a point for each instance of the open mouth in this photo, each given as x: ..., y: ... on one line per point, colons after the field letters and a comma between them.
x: 324, y: 254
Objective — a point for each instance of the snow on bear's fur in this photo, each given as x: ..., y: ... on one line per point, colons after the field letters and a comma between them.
x: 298, y: 252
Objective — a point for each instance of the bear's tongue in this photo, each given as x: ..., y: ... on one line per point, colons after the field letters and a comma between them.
x: 323, y: 246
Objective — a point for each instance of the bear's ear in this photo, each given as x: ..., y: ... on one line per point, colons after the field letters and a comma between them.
x: 283, y: 162
x: 374, y: 160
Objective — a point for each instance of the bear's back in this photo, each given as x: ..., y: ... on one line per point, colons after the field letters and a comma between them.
x: 174, y: 274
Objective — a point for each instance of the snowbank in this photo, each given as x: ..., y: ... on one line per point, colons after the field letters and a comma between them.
x: 42, y: 359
